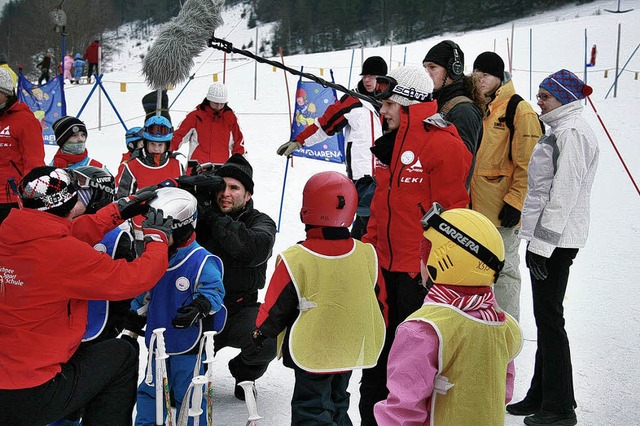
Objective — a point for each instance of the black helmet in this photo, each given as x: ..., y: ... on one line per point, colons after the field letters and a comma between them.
x: 96, y: 187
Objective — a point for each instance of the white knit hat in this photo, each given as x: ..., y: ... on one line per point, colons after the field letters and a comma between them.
x: 6, y: 81
x: 217, y: 93
x: 414, y: 79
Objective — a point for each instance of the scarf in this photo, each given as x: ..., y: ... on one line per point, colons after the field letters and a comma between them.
x: 467, y: 299
x: 63, y: 160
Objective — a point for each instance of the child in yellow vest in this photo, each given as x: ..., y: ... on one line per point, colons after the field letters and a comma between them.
x: 325, y: 300
x: 451, y: 360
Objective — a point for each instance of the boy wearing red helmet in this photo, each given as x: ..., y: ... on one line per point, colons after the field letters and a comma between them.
x: 324, y: 296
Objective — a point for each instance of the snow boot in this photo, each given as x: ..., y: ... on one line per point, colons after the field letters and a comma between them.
x: 548, y: 418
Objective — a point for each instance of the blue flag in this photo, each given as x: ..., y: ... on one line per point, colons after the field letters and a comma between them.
x: 312, y: 99
x: 47, y: 103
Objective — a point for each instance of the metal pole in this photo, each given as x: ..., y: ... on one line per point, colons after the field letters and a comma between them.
x: 615, y: 86
x: 530, y: 63
x: 511, y: 54
x: 585, y: 60
x: 99, y: 91
x: 255, y: 70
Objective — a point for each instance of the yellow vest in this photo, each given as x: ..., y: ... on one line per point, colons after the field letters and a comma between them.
x: 472, y: 365
x: 340, y: 326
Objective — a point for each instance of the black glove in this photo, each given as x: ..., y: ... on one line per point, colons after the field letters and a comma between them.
x: 258, y: 338
x: 132, y: 328
x: 155, y: 227
x: 190, y: 314
x: 509, y: 216
x: 137, y: 203
x: 288, y: 147
x: 537, y: 265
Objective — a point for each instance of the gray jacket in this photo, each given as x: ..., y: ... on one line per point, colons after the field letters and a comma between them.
x: 561, y: 172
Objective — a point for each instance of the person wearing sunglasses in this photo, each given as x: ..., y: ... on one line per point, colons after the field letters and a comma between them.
x: 422, y: 159
x: 71, y: 137
x: 211, y: 130
x: 555, y: 224
x: 362, y: 125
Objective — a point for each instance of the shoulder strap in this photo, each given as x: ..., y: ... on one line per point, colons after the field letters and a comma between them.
x: 511, y: 113
x: 451, y: 103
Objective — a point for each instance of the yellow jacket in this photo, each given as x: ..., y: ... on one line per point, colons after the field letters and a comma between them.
x: 500, y: 174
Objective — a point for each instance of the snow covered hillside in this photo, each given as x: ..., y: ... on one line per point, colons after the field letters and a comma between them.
x: 602, y: 316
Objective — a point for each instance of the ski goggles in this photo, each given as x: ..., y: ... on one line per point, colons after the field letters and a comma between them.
x: 158, y: 129
x: 388, y: 86
x: 433, y: 220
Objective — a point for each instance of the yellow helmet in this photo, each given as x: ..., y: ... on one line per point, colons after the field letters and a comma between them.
x: 466, y: 248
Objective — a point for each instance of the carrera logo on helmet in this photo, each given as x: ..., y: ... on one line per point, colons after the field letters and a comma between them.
x: 460, y: 238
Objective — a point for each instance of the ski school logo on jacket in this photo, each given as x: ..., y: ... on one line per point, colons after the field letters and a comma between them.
x: 409, y: 173
x: 182, y: 284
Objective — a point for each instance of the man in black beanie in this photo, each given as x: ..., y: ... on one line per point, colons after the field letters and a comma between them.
x: 229, y: 227
x: 509, y: 135
x: 362, y: 124
x: 458, y: 101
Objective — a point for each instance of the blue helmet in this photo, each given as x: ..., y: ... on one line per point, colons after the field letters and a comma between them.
x: 78, y: 56
x: 132, y: 136
x: 157, y: 129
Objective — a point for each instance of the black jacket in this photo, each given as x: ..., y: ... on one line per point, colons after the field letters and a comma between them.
x: 244, y: 242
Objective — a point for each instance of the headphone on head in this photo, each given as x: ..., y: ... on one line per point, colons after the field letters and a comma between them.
x: 455, y: 67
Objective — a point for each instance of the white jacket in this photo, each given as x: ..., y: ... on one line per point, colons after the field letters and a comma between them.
x: 561, y: 172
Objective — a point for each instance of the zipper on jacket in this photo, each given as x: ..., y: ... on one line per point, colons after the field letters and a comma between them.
x: 70, y: 317
x: 392, y: 175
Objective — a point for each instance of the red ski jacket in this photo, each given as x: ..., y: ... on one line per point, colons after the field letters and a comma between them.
x: 213, y: 136
x: 48, y: 271
x: 429, y: 162
x: 21, y: 146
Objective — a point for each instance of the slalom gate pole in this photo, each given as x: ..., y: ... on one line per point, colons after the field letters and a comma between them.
x: 614, y: 146
x: 353, y: 52
x: 615, y: 80
x: 225, y: 46
x: 86, y: 101
x: 286, y: 84
x: 284, y: 184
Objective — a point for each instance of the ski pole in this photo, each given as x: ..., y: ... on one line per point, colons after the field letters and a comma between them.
x: 209, y: 350
x: 162, y: 381
x: 248, y: 387
x: 195, y: 408
x: 614, y: 146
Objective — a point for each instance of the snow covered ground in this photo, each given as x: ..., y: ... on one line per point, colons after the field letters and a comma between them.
x: 602, y: 316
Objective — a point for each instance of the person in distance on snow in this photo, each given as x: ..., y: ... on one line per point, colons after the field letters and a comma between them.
x: 21, y: 144
x: 43, y: 303
x: 71, y: 137
x: 555, y: 222
x: 452, y: 360
x: 189, y: 292
x: 362, y: 123
x: 499, y: 182
x: 420, y: 160
x: 230, y: 227
x: 211, y: 130
x: 326, y: 296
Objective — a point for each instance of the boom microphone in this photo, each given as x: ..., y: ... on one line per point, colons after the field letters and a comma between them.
x: 179, y: 41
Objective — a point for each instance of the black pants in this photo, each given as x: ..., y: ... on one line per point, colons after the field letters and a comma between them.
x: 44, y: 77
x: 252, y: 362
x: 405, y: 295
x: 320, y: 399
x: 101, y: 378
x: 93, y: 68
x: 552, y: 382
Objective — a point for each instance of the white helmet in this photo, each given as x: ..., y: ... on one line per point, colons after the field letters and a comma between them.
x: 177, y: 203
x: 217, y: 93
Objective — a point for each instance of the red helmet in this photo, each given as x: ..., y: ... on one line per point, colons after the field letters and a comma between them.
x: 329, y: 199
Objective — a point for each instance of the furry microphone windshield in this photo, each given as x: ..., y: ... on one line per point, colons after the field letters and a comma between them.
x: 179, y: 41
